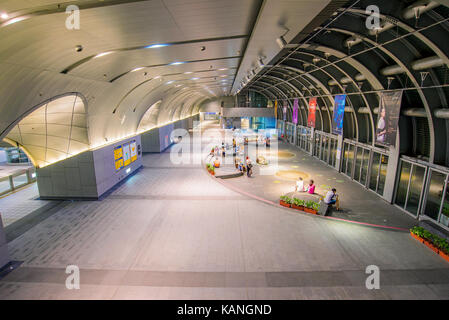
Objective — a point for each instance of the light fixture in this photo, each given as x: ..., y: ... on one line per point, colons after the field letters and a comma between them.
x: 188, y: 72
x: 128, y: 170
x: 194, y: 79
x: 102, y: 54
x: 223, y: 69
x: 176, y: 63
x: 260, y: 63
x: 154, y: 46
x: 157, y: 77
x: 136, y: 69
x: 253, y: 72
x: 79, y: 48
x: 281, y: 42
x: 4, y: 16
x: 170, y: 82
x: 224, y: 76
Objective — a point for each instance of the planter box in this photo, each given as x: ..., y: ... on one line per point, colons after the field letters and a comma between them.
x: 284, y: 204
x: 298, y: 207
x: 431, y: 246
x: 310, y: 210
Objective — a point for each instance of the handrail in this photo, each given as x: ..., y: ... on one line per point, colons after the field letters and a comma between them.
x: 31, y: 178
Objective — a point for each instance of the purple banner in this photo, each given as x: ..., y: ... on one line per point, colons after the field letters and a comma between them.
x: 295, y: 111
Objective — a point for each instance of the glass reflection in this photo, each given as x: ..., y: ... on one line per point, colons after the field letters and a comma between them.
x: 435, y: 194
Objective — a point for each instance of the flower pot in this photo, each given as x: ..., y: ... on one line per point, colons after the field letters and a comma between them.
x: 298, y: 207
x: 308, y: 210
x: 430, y: 245
x: 284, y: 204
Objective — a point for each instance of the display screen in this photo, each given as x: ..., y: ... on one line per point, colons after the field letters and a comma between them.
x: 118, y: 157
x: 339, y: 112
x: 126, y: 154
x: 133, y: 150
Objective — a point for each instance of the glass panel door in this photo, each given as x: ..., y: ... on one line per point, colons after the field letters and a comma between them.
x: 365, y: 163
x: 415, y: 189
x: 435, y: 191
x: 358, y: 163
x: 374, y: 177
x: 345, y: 157
x: 382, y: 174
x: 402, y: 187
x: 325, y: 150
x: 444, y: 215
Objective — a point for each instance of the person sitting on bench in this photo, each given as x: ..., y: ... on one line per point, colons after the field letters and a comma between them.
x: 311, y: 187
x: 331, y: 198
x: 299, y: 185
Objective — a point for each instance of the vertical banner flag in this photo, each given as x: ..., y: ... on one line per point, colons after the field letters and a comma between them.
x: 312, y: 111
x: 275, y: 109
x: 388, y: 118
x: 285, y: 110
x: 295, y: 111
x: 339, y: 112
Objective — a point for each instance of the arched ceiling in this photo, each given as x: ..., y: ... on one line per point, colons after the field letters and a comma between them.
x: 135, y: 53
x: 409, y: 51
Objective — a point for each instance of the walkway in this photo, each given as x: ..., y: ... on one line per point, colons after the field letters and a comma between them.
x: 174, y: 232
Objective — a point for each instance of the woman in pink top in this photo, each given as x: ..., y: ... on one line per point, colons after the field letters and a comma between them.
x: 311, y: 187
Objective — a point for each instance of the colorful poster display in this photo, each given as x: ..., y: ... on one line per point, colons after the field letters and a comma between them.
x: 339, y: 112
x: 133, y: 147
x: 118, y: 157
x: 388, y: 118
x: 312, y: 112
x: 126, y: 155
x: 295, y: 111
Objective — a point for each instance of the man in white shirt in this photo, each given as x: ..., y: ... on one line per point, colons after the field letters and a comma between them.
x: 332, y: 198
x: 299, y: 185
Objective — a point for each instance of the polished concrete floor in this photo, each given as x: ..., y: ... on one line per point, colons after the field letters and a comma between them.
x: 175, y: 232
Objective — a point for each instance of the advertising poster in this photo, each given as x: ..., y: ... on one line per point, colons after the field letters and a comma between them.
x: 339, y: 112
x: 126, y: 155
x: 388, y: 118
x: 312, y: 112
x: 133, y: 150
x: 284, y: 111
x: 118, y: 157
x: 295, y: 111
x: 275, y: 109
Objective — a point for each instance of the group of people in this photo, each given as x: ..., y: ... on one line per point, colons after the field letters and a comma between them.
x: 331, y: 197
x: 246, y: 166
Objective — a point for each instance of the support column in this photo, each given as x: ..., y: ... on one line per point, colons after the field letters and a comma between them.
x: 4, y: 255
x: 295, y: 134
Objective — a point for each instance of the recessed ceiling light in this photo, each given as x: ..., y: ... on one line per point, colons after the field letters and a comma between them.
x: 223, y: 69
x: 188, y: 72
x: 102, y: 54
x: 136, y: 69
x: 4, y: 16
x: 194, y: 79
x: 169, y: 82
x: 154, y: 46
x: 176, y: 63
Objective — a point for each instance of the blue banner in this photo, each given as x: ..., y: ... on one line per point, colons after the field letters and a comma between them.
x: 339, y: 112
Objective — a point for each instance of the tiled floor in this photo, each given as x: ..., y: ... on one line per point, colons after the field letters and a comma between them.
x: 176, y: 233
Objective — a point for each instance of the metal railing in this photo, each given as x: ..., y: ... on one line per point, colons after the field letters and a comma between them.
x: 17, y: 180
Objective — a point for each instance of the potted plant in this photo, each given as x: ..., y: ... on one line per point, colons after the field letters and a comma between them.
x: 285, y: 201
x: 311, y: 207
x: 298, y: 204
x: 212, y: 170
x: 437, y: 244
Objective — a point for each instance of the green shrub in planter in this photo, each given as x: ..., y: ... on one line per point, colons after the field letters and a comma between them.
x: 316, y: 206
x: 309, y: 204
x: 298, y: 202
x: 440, y: 243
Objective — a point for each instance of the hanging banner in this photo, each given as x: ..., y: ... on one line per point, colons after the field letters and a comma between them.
x: 284, y: 109
x: 388, y: 118
x: 339, y: 112
x: 295, y: 111
x: 275, y: 109
x: 312, y: 111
